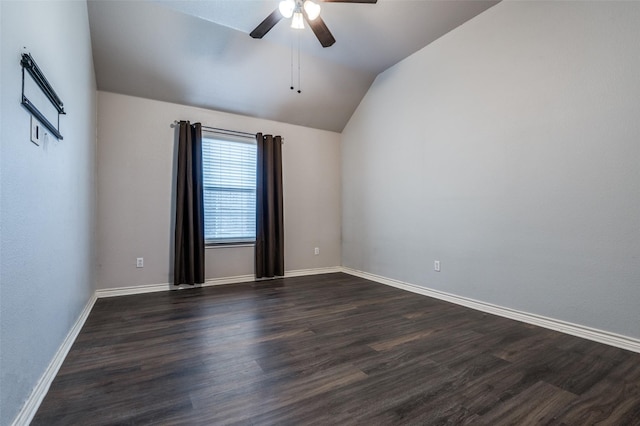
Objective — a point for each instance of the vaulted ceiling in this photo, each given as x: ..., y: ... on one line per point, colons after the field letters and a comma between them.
x: 199, y: 53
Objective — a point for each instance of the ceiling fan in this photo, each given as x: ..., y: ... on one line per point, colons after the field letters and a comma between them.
x: 300, y: 11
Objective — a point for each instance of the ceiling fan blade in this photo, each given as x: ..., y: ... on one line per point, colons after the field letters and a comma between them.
x: 350, y: 1
x: 321, y: 31
x: 266, y: 25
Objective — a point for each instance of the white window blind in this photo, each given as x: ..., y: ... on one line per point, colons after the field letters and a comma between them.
x: 229, y: 177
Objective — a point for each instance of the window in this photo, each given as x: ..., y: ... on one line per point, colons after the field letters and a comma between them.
x: 229, y: 175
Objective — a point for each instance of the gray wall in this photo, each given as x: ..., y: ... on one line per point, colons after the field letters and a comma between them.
x: 47, y: 195
x: 136, y: 173
x: 509, y: 150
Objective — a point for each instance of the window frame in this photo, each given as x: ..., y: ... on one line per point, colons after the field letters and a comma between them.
x: 221, y: 136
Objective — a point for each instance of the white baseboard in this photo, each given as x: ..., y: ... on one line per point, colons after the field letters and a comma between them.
x: 315, y: 271
x: 32, y: 404
x: 150, y: 288
x: 608, y: 338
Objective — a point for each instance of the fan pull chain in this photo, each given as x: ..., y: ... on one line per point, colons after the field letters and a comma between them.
x: 299, y: 87
x: 292, y: 63
x: 292, y: 87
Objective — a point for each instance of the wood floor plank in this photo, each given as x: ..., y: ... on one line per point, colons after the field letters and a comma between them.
x: 538, y: 404
x: 330, y: 349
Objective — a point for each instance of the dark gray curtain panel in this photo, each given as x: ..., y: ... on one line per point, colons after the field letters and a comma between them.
x: 269, y: 208
x: 189, y: 232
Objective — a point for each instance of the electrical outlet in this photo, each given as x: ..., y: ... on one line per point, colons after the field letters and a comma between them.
x: 36, y: 131
x: 140, y: 262
x: 436, y: 265
x: 316, y: 251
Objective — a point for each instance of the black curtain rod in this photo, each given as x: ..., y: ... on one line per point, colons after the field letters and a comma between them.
x: 217, y: 129
x: 226, y: 131
x: 231, y: 132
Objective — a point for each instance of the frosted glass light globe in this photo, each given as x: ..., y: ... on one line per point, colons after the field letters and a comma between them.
x: 286, y: 8
x: 312, y: 9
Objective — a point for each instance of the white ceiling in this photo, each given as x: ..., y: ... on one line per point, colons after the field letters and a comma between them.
x: 199, y: 53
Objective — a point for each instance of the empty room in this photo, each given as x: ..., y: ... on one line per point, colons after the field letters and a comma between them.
x: 331, y: 212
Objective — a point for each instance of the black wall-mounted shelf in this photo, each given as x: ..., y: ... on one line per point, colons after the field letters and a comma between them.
x: 32, y: 68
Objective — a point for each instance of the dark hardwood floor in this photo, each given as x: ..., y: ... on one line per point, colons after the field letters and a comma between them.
x: 330, y: 350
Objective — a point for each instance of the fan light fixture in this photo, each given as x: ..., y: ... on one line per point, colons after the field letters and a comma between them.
x: 293, y: 8
x: 298, y: 21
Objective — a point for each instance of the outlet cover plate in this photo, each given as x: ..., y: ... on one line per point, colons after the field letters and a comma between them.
x: 36, y: 131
